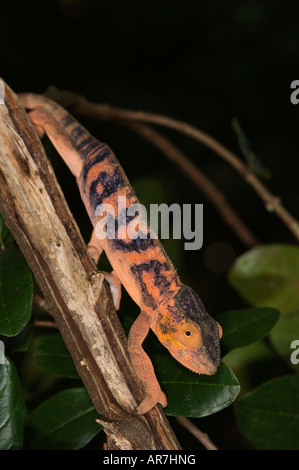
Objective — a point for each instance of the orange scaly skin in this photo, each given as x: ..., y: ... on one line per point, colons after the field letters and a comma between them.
x: 172, y: 310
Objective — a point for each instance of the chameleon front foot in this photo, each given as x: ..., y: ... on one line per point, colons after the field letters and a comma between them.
x: 150, y: 401
x: 143, y: 365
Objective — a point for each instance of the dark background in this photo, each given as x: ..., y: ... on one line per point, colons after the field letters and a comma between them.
x: 202, y: 62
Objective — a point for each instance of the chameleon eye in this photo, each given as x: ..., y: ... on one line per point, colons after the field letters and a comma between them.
x: 189, y: 335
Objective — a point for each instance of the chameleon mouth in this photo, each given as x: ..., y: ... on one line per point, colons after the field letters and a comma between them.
x: 203, y: 368
x: 197, y: 362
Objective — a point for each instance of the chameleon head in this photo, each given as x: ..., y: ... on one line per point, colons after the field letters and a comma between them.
x: 189, y: 333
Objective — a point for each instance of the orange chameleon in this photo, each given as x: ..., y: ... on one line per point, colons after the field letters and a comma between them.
x: 172, y: 310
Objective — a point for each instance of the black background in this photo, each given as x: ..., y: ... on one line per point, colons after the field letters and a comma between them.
x: 202, y: 62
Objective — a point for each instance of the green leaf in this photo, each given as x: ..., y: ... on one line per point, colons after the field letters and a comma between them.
x: 12, y: 406
x: 52, y: 355
x: 269, y: 415
x: 16, y: 289
x: 64, y: 422
x: 254, y: 364
x: 268, y: 276
x: 195, y: 395
x: 246, y: 326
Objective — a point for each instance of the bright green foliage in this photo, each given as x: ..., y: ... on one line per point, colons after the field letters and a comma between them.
x: 269, y: 415
x: 196, y: 395
x: 268, y: 277
x: 246, y: 326
x: 51, y: 354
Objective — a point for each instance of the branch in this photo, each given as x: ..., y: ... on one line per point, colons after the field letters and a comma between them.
x: 37, y: 215
x: 80, y: 105
x: 201, y: 436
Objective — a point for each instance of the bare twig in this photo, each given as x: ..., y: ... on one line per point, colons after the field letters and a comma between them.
x: 80, y: 105
x: 45, y: 324
x: 201, y: 436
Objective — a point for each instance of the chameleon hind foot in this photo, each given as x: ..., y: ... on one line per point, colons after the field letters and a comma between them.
x: 115, y: 287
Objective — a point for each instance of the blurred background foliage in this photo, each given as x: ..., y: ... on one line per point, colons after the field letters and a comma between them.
x: 202, y: 62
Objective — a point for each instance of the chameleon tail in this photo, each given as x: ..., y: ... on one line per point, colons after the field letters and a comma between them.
x: 76, y: 132
x: 72, y: 141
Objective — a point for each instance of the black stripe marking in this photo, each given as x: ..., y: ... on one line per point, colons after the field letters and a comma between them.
x: 67, y: 120
x: 98, y: 158
x: 110, y: 185
x: 160, y: 281
x: 89, y: 140
x: 136, y: 245
x: 78, y: 132
x: 93, y: 147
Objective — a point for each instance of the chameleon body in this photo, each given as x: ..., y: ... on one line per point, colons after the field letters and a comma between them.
x: 171, y: 309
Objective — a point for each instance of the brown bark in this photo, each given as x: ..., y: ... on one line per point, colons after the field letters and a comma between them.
x: 35, y: 211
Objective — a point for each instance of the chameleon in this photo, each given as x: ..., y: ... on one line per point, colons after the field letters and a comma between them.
x: 171, y: 309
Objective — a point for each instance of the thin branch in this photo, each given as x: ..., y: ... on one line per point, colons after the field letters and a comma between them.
x: 201, y: 436
x: 80, y: 105
x: 45, y: 324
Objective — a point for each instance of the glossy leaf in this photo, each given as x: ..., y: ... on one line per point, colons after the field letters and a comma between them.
x: 195, y: 395
x: 253, y: 365
x: 269, y: 415
x: 12, y: 406
x: 66, y: 421
x: 16, y: 290
x: 52, y: 355
x: 268, y: 276
x: 246, y: 326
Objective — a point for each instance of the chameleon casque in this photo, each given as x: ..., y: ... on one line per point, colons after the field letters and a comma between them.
x: 171, y: 309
